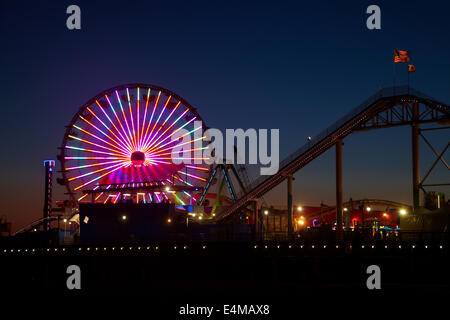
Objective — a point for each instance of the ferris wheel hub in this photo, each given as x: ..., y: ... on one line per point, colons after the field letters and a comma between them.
x: 137, y: 158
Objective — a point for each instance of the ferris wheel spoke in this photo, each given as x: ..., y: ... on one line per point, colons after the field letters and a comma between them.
x: 144, y: 137
x: 95, y: 151
x: 179, y: 145
x: 81, y: 198
x: 174, y: 132
x: 97, y: 145
x: 164, y: 123
x: 182, y: 158
x: 132, y: 121
x: 150, y: 143
x: 184, y: 151
x: 91, y: 158
x: 197, y: 168
x: 93, y: 135
x: 181, y: 180
x: 125, y: 119
x: 145, y: 116
x: 92, y: 165
x: 99, y: 130
x: 123, y: 143
x: 157, y: 161
x: 101, y: 193
x: 191, y: 175
x: 157, y: 121
x: 94, y: 172
x: 178, y: 198
x: 137, y: 118
x: 101, y: 176
x: 120, y: 123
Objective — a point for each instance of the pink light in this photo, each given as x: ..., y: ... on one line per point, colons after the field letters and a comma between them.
x: 167, y: 137
x: 157, y: 121
x: 99, y: 177
x: 120, y: 123
x: 145, y: 116
x: 126, y: 122
x: 93, y: 135
x: 131, y: 117
x: 94, y: 144
x: 151, y: 117
x: 123, y: 143
x: 92, y: 172
x: 93, y: 165
x: 149, y: 145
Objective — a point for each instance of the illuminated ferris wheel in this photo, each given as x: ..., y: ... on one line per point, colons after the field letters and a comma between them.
x: 120, y: 144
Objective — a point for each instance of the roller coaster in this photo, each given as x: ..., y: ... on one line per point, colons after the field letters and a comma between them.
x: 108, y: 167
x: 391, y: 107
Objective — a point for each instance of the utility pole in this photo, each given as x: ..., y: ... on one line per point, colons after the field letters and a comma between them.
x: 49, y: 166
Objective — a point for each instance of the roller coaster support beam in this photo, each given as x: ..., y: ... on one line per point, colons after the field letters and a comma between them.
x: 339, y: 207
x: 255, y: 220
x: 289, y: 201
x: 415, y: 158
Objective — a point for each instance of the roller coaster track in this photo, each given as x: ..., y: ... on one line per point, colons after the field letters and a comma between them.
x: 35, y: 224
x: 397, y: 106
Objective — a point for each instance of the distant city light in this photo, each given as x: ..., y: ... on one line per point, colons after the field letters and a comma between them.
x: 301, y: 222
x: 368, y: 209
x: 169, y: 220
x: 124, y: 217
x: 299, y: 208
x: 65, y: 220
x: 403, y: 212
x: 266, y: 212
x: 345, y: 209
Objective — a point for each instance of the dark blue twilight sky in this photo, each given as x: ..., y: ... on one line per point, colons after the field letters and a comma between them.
x: 289, y: 65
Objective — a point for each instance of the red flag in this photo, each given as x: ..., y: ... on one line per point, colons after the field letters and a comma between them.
x: 401, y: 56
x: 411, y: 68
